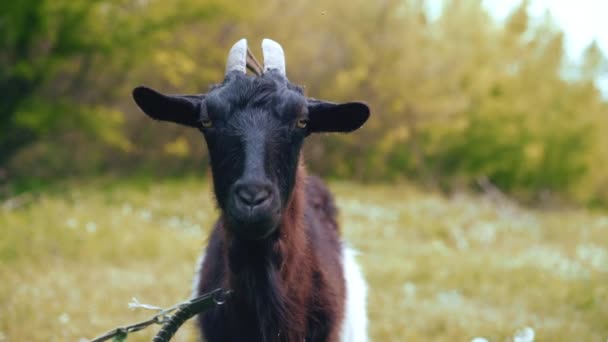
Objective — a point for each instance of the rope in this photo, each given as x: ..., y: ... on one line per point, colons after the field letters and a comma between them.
x: 170, y: 323
x: 188, y: 310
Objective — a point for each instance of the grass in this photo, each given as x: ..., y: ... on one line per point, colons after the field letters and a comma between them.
x: 439, y: 269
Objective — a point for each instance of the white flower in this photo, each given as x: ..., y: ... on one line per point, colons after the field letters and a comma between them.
x: 409, y: 289
x: 524, y: 335
x: 174, y: 222
x: 450, y: 298
x: 594, y: 255
x: 146, y: 215
x: 91, y: 227
x: 64, y: 318
x: 479, y: 339
x: 71, y: 223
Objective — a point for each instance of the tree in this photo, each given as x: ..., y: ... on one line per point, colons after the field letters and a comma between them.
x: 61, y: 62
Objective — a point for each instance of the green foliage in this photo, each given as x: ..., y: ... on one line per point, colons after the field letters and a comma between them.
x: 455, y: 97
x: 63, y: 63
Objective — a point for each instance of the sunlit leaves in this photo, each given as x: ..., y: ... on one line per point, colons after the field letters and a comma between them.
x: 455, y: 95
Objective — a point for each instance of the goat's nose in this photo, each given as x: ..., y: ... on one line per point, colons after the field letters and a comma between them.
x: 253, y: 194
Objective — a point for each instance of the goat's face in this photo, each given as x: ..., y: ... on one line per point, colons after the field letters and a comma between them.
x: 254, y: 128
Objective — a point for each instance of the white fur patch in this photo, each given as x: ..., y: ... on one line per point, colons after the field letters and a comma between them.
x: 354, y: 326
x: 197, y: 275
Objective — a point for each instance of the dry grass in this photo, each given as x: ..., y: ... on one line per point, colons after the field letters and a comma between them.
x: 439, y: 269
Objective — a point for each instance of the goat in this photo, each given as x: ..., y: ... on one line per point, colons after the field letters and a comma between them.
x: 276, y: 243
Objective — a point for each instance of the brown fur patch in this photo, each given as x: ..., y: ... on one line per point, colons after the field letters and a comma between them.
x: 288, y: 288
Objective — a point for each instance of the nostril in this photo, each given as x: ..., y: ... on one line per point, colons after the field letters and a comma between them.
x: 252, y: 195
x: 243, y: 196
x: 260, y: 196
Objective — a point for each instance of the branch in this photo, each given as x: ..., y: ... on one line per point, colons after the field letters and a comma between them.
x: 171, y: 323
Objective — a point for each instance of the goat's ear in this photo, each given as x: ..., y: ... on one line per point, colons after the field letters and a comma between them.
x: 336, y: 117
x: 181, y: 109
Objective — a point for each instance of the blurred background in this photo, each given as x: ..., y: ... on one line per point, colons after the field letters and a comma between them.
x: 487, y: 116
x: 459, y: 89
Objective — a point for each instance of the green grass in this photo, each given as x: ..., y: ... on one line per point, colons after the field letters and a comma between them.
x: 439, y: 269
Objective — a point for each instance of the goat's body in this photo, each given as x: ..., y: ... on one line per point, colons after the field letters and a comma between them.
x: 300, y: 284
x: 276, y: 244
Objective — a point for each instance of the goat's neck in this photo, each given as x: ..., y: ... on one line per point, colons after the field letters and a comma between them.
x: 286, y: 243
x: 269, y: 277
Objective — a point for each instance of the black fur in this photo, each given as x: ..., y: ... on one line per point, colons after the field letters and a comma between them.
x: 276, y: 243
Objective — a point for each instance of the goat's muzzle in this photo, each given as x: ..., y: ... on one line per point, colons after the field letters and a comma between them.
x: 254, y: 209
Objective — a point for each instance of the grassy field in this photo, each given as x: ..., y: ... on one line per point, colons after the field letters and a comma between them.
x: 439, y: 269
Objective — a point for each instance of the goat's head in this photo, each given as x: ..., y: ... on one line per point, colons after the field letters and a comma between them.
x: 254, y: 127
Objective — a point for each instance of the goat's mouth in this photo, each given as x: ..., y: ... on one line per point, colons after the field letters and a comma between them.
x: 253, y: 223
x: 253, y: 232
x: 253, y: 229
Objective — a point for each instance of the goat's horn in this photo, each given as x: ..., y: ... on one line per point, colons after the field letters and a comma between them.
x: 237, y: 57
x: 274, y: 58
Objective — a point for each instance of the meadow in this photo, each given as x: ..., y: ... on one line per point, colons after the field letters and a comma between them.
x: 439, y: 268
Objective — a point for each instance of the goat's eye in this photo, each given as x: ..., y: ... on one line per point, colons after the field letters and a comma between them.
x: 207, y: 123
x: 302, y: 123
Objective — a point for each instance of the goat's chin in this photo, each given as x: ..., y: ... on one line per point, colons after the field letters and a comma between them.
x: 254, y: 233
x: 253, y: 229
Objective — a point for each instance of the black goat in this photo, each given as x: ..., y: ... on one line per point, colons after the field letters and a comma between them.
x: 276, y: 244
